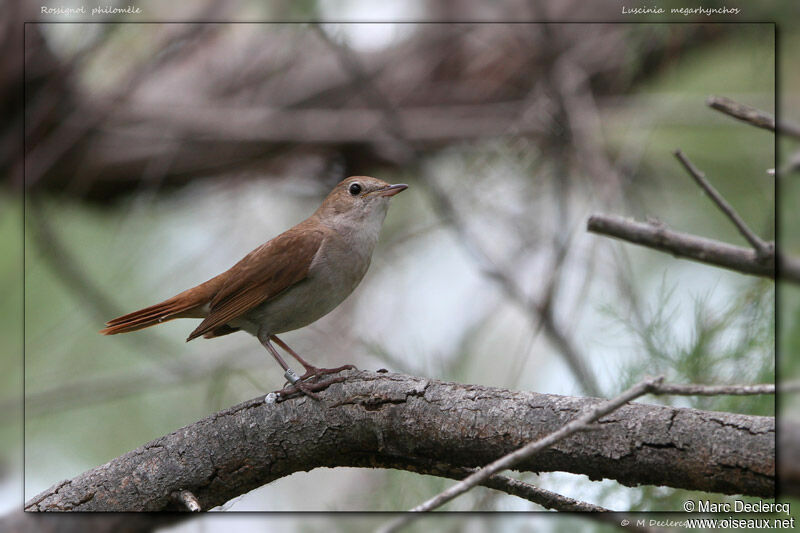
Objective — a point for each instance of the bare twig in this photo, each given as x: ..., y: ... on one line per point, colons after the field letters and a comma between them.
x: 764, y: 250
x: 659, y: 237
x: 509, y: 485
x: 753, y: 116
x: 676, y: 389
x: 541, y: 314
x: 579, y: 424
x: 526, y: 491
x: 321, y: 125
x: 742, y: 112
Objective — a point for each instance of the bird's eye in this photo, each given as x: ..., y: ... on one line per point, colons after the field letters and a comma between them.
x: 354, y: 189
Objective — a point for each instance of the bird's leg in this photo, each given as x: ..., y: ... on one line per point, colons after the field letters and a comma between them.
x: 311, y: 370
x: 289, y: 374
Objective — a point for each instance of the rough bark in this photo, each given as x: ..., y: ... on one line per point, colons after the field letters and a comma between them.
x: 684, y: 245
x: 391, y: 420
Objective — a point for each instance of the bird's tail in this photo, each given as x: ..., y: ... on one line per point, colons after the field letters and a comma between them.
x: 188, y: 304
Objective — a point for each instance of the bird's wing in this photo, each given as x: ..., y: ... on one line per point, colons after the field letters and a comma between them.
x: 262, y: 274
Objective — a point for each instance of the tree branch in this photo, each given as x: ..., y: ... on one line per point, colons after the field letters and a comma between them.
x: 684, y: 245
x: 529, y: 450
x: 650, y: 385
x: 396, y: 421
x: 508, y: 485
x: 764, y: 250
x: 751, y: 115
x: 713, y: 390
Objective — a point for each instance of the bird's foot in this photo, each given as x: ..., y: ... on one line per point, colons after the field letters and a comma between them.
x: 308, y: 389
x: 309, y: 383
x: 315, y: 372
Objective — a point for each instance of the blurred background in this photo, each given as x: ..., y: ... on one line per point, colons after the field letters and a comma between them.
x: 157, y: 155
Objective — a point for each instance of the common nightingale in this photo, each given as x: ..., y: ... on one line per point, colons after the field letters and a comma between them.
x: 288, y: 282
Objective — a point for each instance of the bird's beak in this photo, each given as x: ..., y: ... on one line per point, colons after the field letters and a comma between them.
x: 391, y: 190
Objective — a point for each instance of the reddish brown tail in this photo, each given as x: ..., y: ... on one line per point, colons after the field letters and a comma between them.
x: 187, y: 304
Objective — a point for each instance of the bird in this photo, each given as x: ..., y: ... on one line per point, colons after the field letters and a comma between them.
x: 288, y: 282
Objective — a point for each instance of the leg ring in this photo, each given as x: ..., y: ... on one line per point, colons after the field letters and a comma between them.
x: 290, y: 376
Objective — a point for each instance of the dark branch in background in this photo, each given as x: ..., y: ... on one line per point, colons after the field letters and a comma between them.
x: 752, y: 116
x: 684, y: 245
x: 89, y: 151
x: 396, y: 421
x: 48, y: 151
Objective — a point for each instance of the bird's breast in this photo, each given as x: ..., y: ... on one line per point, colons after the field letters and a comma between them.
x: 335, y: 272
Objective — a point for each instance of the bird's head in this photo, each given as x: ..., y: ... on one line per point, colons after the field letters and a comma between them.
x: 359, y: 198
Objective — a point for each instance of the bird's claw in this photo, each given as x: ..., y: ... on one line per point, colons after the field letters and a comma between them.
x: 310, y: 388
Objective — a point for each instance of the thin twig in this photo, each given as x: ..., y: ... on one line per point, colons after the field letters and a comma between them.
x: 678, y: 389
x: 532, y: 493
x: 579, y: 424
x: 659, y: 237
x: 541, y: 315
x: 81, y: 122
x: 751, y: 115
x: 743, y: 112
x: 763, y: 249
x: 515, y: 487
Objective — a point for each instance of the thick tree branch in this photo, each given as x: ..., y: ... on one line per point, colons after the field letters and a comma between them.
x: 396, y: 421
x: 529, y: 450
x: 684, y: 245
x: 650, y: 385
